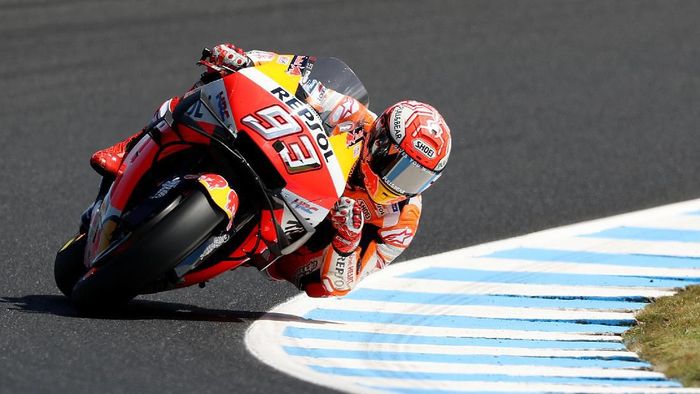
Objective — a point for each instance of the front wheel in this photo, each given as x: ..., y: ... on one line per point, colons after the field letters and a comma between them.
x: 151, y: 253
x: 68, y: 266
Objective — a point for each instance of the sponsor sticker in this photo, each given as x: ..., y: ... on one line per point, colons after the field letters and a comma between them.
x: 399, y: 237
x: 397, y: 125
x: 343, y: 272
x: 355, y: 134
x: 380, y: 209
x: 165, y: 187
x: 307, y: 269
x: 222, y: 106
x: 365, y: 209
x: 260, y: 56
x: 310, y: 211
x: 297, y: 65
x: 443, y: 162
x: 424, y: 148
x: 304, y: 206
x: 346, y: 108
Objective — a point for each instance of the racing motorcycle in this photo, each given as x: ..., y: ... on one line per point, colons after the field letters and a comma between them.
x: 171, y: 219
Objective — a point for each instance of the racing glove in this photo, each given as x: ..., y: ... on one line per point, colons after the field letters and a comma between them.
x: 229, y: 56
x: 340, y: 268
x: 347, y: 220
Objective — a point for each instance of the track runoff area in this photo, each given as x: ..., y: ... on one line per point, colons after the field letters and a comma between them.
x: 539, y: 313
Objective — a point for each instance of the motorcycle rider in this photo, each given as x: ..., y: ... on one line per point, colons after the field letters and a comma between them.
x: 405, y: 150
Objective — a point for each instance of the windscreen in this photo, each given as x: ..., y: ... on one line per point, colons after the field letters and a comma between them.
x: 335, y: 74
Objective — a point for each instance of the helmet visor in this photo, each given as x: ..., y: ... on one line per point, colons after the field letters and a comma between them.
x: 396, y: 169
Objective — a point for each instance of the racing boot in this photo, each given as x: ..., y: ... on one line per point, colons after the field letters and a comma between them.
x: 106, y: 162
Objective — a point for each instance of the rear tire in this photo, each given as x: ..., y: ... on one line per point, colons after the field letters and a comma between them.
x: 68, y: 266
x: 150, y: 255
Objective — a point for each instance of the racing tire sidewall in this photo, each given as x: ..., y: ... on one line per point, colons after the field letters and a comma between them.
x: 68, y: 266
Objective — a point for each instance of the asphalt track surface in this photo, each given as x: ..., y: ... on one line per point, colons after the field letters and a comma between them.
x: 560, y: 112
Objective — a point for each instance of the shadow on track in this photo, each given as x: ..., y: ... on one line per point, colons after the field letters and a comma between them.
x: 145, y: 310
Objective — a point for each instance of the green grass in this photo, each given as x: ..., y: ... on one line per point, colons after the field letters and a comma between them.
x: 668, y: 336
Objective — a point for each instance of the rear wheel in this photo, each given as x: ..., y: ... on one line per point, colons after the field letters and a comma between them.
x: 153, y: 250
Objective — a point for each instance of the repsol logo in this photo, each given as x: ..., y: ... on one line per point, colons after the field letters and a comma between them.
x: 424, y: 148
x: 340, y: 266
x: 309, y: 117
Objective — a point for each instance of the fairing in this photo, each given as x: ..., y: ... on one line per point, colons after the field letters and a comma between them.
x: 266, y: 104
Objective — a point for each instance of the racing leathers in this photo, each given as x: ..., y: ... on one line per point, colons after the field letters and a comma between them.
x: 359, y: 236
x: 321, y: 269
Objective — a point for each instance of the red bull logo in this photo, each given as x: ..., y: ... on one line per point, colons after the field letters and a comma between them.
x: 222, y: 195
x: 214, y: 181
x: 231, y: 206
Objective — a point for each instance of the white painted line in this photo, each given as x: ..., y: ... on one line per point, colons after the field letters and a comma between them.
x: 674, y: 222
x: 457, y: 350
x: 621, y: 246
x: 479, y: 369
x: 274, y: 329
x: 497, y: 312
x: 440, y: 286
x: 512, y: 265
x: 485, y: 386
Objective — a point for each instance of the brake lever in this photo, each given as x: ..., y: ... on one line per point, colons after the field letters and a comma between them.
x: 206, y: 53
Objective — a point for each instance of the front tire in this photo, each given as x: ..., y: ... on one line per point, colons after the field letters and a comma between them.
x: 68, y: 266
x: 151, y: 254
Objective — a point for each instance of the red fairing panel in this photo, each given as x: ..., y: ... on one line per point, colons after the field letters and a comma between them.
x: 137, y: 162
x: 289, y: 132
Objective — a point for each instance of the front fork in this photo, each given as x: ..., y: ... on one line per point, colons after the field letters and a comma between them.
x: 86, y: 216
